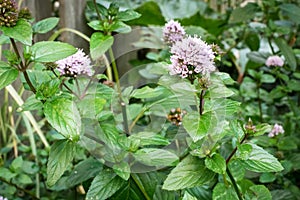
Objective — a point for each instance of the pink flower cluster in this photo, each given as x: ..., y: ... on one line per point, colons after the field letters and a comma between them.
x: 191, y: 56
x: 76, y: 64
x: 173, y: 32
x: 277, y: 129
x: 275, y: 61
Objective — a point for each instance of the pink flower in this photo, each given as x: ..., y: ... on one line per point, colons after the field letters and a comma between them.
x: 76, y: 64
x: 173, y: 32
x: 191, y: 56
x: 275, y: 61
x: 276, y: 130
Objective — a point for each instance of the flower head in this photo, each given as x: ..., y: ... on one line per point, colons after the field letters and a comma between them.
x: 2, y: 198
x: 173, y: 32
x: 8, y: 13
x: 191, y: 56
x: 74, y: 65
x: 276, y: 130
x: 275, y: 61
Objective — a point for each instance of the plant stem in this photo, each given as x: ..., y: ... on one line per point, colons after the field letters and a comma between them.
x: 259, y: 104
x: 235, y: 149
x: 57, y: 33
x: 234, y: 184
x: 22, y: 66
x: 115, y: 69
x: 201, y: 103
x: 97, y: 11
x: 19, y: 188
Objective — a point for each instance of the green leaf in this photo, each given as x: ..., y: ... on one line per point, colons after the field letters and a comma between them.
x: 45, y: 25
x: 267, y: 78
x: 267, y: 177
x: 199, y: 126
x: 146, y: 92
x: 61, y: 155
x: 99, y: 44
x: 261, y: 161
x: 31, y: 103
x: 287, y: 143
x: 190, y: 172
x: 120, y: 27
x: 216, y: 163
x: 291, y: 10
x: 21, y: 31
x: 258, y: 192
x: 294, y: 85
x: 23, y: 179
x: 223, y: 192
x: 161, y: 194
x: 8, y: 74
x: 16, y: 164
x: 201, y: 192
x: 149, y: 138
x: 49, y: 51
x: 287, y: 51
x: 83, y: 171
x: 252, y: 41
x: 47, y: 89
x: 64, y: 116
x: 7, y: 174
x: 262, y: 129
x: 257, y: 57
x: 243, y: 14
x: 105, y: 185
x: 150, y: 14
x: 128, y: 15
x: 96, y: 25
x: 156, y: 157
x: 244, y: 151
x: 122, y: 169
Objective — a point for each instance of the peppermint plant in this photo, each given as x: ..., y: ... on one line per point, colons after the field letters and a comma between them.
x: 177, y: 135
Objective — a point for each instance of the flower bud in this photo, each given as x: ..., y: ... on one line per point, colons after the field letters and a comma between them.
x: 8, y: 13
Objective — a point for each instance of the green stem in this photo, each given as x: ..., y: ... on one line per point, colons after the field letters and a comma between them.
x: 234, y: 184
x: 97, y: 11
x: 60, y: 31
x: 259, y: 104
x: 115, y: 69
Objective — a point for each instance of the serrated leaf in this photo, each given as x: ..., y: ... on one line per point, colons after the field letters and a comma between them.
x: 261, y: 161
x: 190, y: 172
x: 64, y: 116
x: 262, y: 129
x: 287, y: 51
x: 156, y: 157
x: 244, y: 151
x: 216, y: 163
x: 49, y: 51
x: 23, y: 179
x: 61, y: 155
x: 21, y: 31
x: 267, y: 178
x: 99, y: 44
x: 267, y: 78
x: 45, y: 25
x: 198, y: 126
x: 8, y: 74
x: 104, y: 185
x: 222, y: 192
x: 83, y: 171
